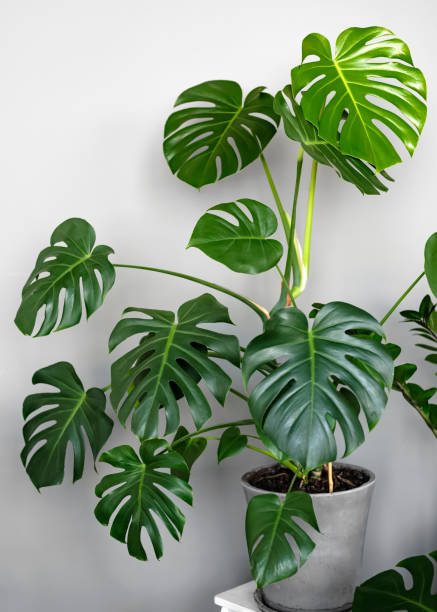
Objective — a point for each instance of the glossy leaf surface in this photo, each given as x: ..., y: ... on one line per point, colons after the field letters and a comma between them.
x: 360, y: 78
x: 190, y: 450
x: 231, y: 443
x: 70, y: 261
x: 216, y: 126
x: 297, y: 403
x: 62, y: 418
x: 268, y: 524
x: 141, y: 487
x: 431, y: 262
x: 348, y: 168
x: 387, y: 592
x: 243, y: 246
x: 144, y: 379
x: 418, y: 397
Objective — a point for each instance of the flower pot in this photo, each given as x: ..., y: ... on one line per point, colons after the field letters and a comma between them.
x: 327, y: 581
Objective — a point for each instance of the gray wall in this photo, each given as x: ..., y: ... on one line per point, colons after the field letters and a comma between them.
x: 86, y: 88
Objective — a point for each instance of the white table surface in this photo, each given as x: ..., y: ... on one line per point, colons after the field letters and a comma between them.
x: 239, y: 599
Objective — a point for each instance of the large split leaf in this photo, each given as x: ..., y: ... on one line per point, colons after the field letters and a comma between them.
x: 213, y: 129
x: 144, y: 379
x: 68, y: 262
x: 242, y: 247
x: 431, y: 262
x: 360, y: 77
x: 268, y: 523
x: 66, y: 417
x: 348, y: 168
x: 141, y: 487
x: 297, y: 402
x: 386, y: 592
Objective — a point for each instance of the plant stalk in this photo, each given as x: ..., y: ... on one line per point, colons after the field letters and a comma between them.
x: 291, y: 250
x: 260, y: 311
x: 403, y: 296
x: 281, y: 210
x: 308, y: 226
x: 213, y: 428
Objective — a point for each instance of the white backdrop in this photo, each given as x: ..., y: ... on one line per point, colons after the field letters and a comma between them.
x: 86, y: 88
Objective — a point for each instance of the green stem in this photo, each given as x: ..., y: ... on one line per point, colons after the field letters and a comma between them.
x: 308, y: 224
x: 239, y: 394
x: 106, y: 388
x: 213, y: 428
x: 284, y: 462
x: 282, y: 212
x: 403, y: 296
x: 286, y: 286
x: 290, y: 488
x: 291, y: 246
x: 261, y: 312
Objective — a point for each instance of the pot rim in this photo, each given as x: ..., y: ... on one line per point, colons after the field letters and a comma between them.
x: 246, y: 484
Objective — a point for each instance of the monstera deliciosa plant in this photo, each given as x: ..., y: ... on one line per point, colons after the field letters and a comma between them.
x: 314, y: 373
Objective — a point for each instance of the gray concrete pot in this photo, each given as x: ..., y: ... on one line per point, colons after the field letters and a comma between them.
x: 327, y: 581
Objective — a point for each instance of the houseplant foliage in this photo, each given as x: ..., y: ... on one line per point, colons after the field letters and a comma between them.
x: 313, y: 374
x: 387, y: 590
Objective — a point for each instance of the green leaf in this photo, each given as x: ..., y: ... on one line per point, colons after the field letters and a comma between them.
x: 348, y: 168
x: 231, y: 443
x: 190, y: 449
x: 297, y: 403
x: 386, y: 592
x: 141, y: 487
x: 362, y: 90
x: 244, y: 247
x: 199, y: 136
x: 144, y: 379
x: 418, y: 397
x: 431, y: 262
x: 268, y: 523
x: 66, y: 416
x: 68, y: 262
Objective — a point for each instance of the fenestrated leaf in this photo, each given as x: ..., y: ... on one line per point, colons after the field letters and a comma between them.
x: 348, y: 168
x: 297, y: 403
x: 190, y: 449
x: 431, y: 262
x: 386, y: 592
x: 60, y: 267
x: 201, y: 135
x: 245, y: 247
x: 268, y: 523
x: 360, y: 84
x: 231, y: 443
x: 141, y: 487
x: 143, y: 379
x: 67, y: 416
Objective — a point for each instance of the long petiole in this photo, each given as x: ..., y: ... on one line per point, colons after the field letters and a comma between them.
x: 403, y: 296
x: 285, y: 463
x: 290, y: 488
x: 282, y: 212
x: 260, y: 311
x: 239, y: 394
x: 213, y: 428
x: 308, y: 223
x: 291, y: 245
x: 286, y: 285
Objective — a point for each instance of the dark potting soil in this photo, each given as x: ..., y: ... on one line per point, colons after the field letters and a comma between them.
x: 277, y: 479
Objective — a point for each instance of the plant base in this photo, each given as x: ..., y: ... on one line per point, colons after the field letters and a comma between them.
x: 263, y: 607
x: 327, y: 581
